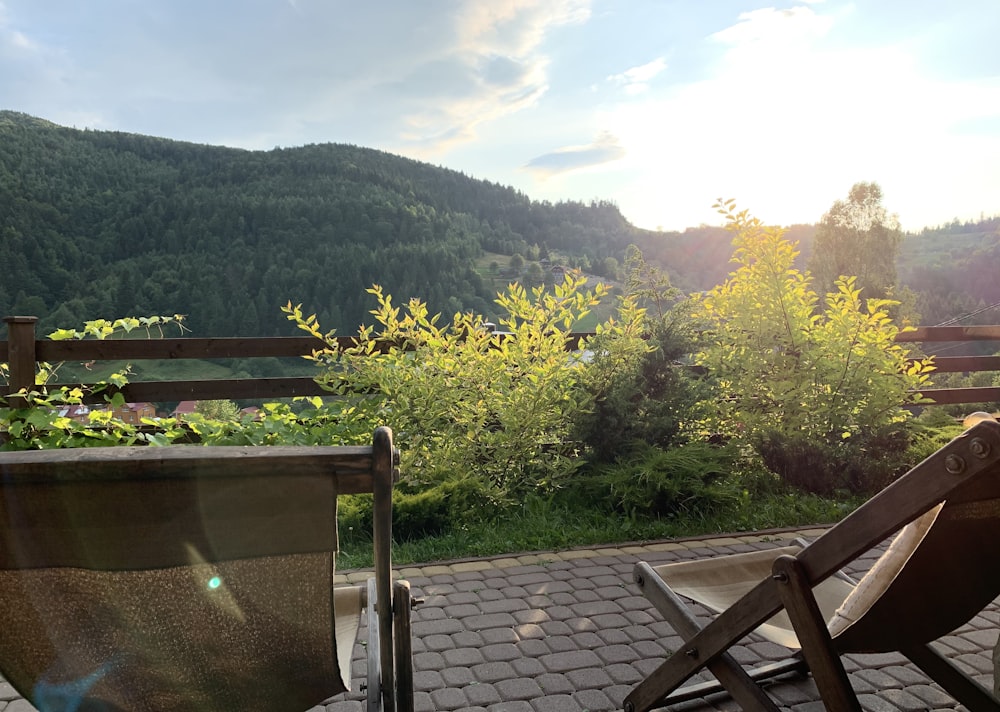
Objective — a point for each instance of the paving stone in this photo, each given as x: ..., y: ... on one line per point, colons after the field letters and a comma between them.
x: 612, y: 654
x: 519, y: 689
x: 816, y: 707
x: 587, y: 640
x: 465, y: 610
x: 903, y: 700
x: 531, y: 615
x: 593, y: 700
x: 500, y: 652
x: 977, y: 663
x: 613, y: 637
x: 427, y: 680
x: 595, y: 608
x: 931, y: 696
x: 527, y: 579
x: 638, y: 617
x: 613, y: 620
x: 905, y: 674
x: 429, y: 613
x: 457, y: 599
x: 482, y: 694
x: 529, y: 631
x: 555, y: 703
x: 429, y: 661
x: 649, y: 649
x: 491, y: 620
x: 548, y: 587
x: 468, y: 639
x: 493, y: 672
x: 534, y: 647
x: 463, y: 657
x: 490, y: 594
x: 592, y: 572
x: 623, y: 674
x: 455, y: 676
x: 448, y: 698
x: 610, y: 588
x: 497, y: 636
x: 527, y: 668
x: 560, y: 644
x: 552, y: 628
x: 585, y: 595
x: 564, y: 598
x: 589, y: 679
x: 878, y: 679
x: 560, y: 613
x: 512, y: 706
x: 438, y: 642
x: 617, y: 695
x: 503, y: 606
x: 554, y: 684
x: 571, y: 660
x: 445, y: 626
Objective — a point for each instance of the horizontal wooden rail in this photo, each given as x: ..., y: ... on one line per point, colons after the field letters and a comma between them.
x: 22, y: 351
x: 951, y: 333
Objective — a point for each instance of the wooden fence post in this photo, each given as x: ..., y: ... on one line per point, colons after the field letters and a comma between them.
x: 21, y: 356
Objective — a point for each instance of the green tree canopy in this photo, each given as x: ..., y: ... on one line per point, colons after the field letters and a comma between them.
x: 859, y: 238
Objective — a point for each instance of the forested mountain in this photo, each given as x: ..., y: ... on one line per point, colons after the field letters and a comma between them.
x: 954, y: 270
x: 105, y: 224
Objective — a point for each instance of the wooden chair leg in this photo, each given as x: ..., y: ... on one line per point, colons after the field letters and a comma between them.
x: 653, y: 692
x: 373, y: 689
x: 956, y: 683
x: 817, y: 646
x: 402, y: 603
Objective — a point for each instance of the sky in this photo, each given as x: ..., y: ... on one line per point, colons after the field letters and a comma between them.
x: 661, y: 106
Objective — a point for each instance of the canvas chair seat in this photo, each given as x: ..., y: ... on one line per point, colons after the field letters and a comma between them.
x: 192, y: 578
x: 935, y: 575
x: 185, y: 637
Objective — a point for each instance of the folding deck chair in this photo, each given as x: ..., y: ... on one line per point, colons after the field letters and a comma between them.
x: 194, y: 578
x: 941, y: 569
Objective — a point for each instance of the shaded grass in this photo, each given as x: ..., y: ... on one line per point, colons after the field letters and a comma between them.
x: 542, y: 525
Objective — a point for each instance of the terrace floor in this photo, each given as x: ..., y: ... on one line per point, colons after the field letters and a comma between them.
x: 568, y: 631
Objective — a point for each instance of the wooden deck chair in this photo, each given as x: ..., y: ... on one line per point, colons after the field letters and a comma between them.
x: 940, y: 570
x: 194, y: 578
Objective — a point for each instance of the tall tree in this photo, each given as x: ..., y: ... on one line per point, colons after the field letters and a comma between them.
x: 857, y: 238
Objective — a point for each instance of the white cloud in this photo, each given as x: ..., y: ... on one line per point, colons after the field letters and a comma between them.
x: 786, y: 127
x: 636, y: 80
x: 500, y: 67
x: 604, y: 149
x: 771, y: 25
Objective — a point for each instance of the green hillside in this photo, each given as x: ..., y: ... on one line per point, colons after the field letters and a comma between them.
x: 103, y: 224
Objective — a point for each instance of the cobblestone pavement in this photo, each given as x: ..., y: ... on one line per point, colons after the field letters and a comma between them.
x: 568, y: 632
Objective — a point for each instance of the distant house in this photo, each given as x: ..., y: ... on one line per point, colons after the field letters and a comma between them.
x: 133, y: 412
x: 184, y: 408
x: 79, y: 412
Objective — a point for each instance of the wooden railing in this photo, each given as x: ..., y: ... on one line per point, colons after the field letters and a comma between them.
x: 23, y: 351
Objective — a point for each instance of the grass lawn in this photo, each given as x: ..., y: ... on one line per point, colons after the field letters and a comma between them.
x: 540, y: 525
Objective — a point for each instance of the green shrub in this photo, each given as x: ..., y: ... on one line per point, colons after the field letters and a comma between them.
x: 693, y: 480
x: 465, y: 402
x: 818, y: 391
x: 639, y: 390
x: 827, y: 467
